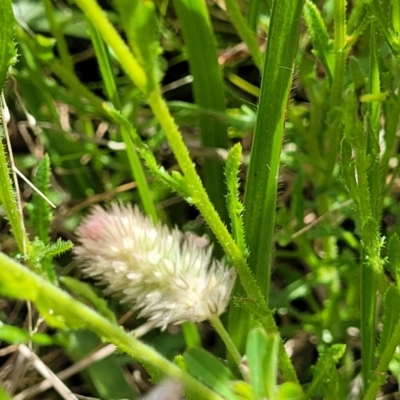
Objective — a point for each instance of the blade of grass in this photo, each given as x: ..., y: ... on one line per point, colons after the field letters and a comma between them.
x: 111, y: 90
x: 208, y: 90
x: 246, y: 34
x: 261, y: 186
x: 7, y: 46
x: 57, y: 32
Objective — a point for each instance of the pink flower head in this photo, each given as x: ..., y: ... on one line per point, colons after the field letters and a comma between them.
x: 167, y: 275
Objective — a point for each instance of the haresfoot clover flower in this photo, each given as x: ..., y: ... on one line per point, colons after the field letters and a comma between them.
x: 167, y: 275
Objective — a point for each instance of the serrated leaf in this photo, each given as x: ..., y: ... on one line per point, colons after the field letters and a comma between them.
x: 325, y: 365
x: 390, y: 318
x: 234, y: 205
x: 86, y: 292
x: 57, y: 248
x: 7, y: 46
x: 323, y: 47
x: 210, y: 370
x: 41, y: 255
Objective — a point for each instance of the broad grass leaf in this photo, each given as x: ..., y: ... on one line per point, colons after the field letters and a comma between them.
x: 210, y: 370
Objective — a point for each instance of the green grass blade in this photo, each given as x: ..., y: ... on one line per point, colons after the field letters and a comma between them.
x: 39, y: 208
x: 208, y: 89
x: 248, y: 36
x: 57, y: 32
x: 252, y: 15
x: 111, y: 91
x: 107, y: 376
x: 105, y: 67
x: 7, y: 47
x: 261, y: 187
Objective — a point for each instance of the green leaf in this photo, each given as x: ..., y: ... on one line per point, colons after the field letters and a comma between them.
x: 7, y: 46
x: 141, y: 26
x: 40, y: 257
x: 208, y: 90
x: 234, y: 205
x: 390, y: 317
x: 394, y: 257
x: 57, y: 248
x: 39, y: 208
x: 242, y: 390
x: 262, y: 358
x: 324, y: 368
x: 263, y: 172
x: 290, y: 391
x: 85, y: 291
x: 323, y: 47
x: 357, y: 74
x: 108, y: 376
x: 210, y: 370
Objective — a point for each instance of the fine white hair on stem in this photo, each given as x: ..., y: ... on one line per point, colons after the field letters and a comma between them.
x: 169, y: 276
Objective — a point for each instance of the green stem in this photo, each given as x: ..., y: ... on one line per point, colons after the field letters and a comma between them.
x: 368, y: 326
x: 139, y: 176
x: 8, y: 197
x: 233, y: 351
x: 191, y: 334
x: 333, y: 133
x: 110, y: 35
x: 61, y: 310
x: 369, y: 276
x: 383, y: 365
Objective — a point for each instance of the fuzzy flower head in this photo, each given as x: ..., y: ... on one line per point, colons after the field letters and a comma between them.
x: 167, y: 275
